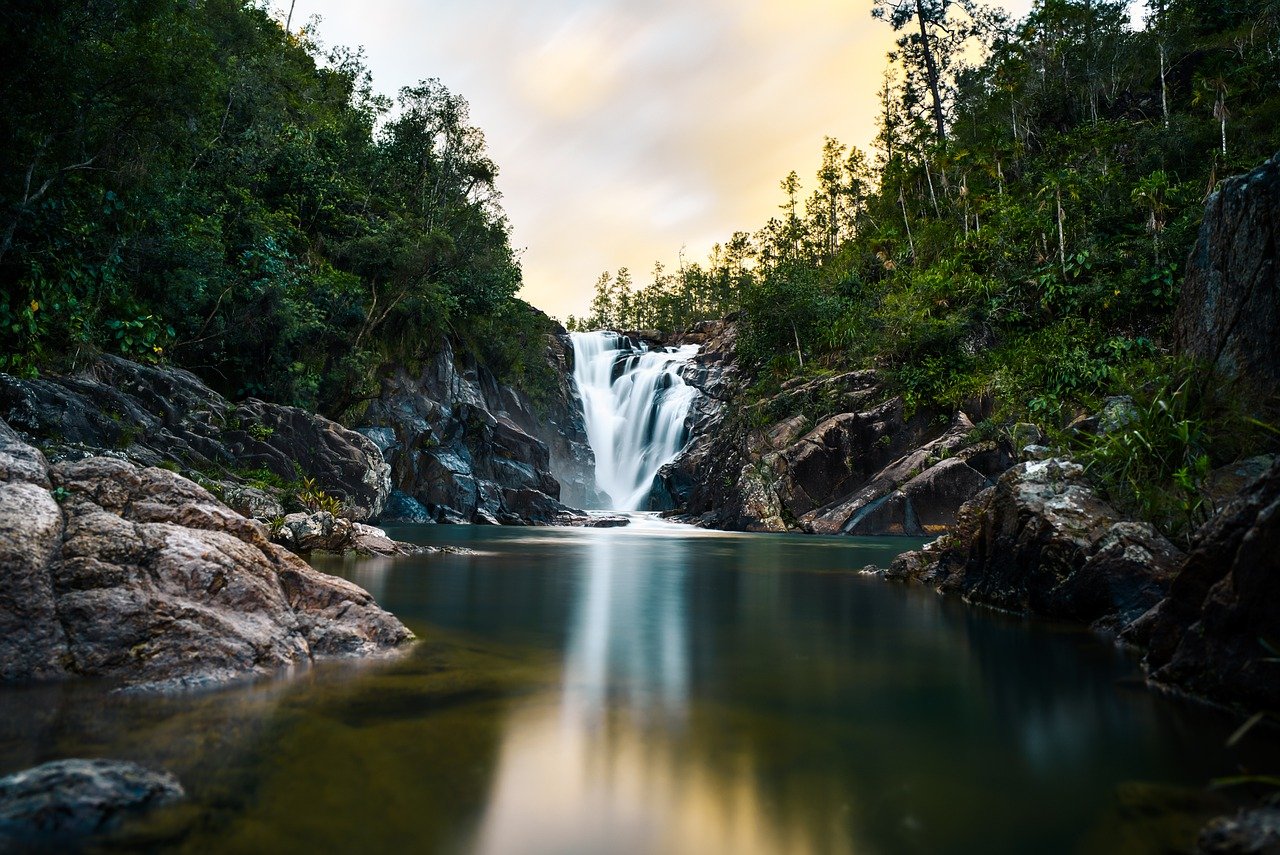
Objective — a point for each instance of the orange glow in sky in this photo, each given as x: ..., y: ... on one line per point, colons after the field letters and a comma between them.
x: 628, y: 130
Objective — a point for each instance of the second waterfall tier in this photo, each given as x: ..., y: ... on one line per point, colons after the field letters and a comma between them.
x: 635, y: 403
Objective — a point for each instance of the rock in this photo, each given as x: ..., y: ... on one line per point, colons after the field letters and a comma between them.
x: 1036, y: 452
x: 59, y: 802
x: 153, y: 416
x: 1226, y: 482
x: 311, y: 532
x: 1042, y: 542
x: 606, y: 521
x: 457, y: 440
x: 1229, y: 311
x: 1250, y: 832
x: 305, y: 533
x: 863, y: 468
x: 916, y: 493
x: 346, y: 464
x: 402, y: 508
x: 1023, y: 434
x: 142, y: 576
x: 1216, y: 633
x: 1118, y: 412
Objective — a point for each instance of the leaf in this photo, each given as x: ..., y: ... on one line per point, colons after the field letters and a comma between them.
x: 1245, y: 780
x: 1244, y: 729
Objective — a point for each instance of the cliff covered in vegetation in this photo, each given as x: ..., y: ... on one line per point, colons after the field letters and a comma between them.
x: 190, y: 183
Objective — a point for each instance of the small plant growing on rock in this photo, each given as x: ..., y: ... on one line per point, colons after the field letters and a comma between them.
x: 261, y: 432
x: 314, y: 499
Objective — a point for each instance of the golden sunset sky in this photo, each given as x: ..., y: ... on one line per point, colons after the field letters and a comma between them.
x: 626, y: 131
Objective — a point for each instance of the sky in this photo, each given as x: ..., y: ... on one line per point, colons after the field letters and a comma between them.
x: 631, y: 131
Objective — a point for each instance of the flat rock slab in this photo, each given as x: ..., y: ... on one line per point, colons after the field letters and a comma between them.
x: 68, y: 799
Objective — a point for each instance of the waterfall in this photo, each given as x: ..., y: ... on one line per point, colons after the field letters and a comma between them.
x: 635, y: 403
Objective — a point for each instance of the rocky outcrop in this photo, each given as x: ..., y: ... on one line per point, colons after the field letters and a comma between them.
x: 156, y: 416
x: 1254, y: 831
x: 860, y: 466
x: 464, y: 448
x: 142, y: 576
x: 1217, y: 634
x: 60, y: 803
x: 1229, y: 311
x: 1043, y: 542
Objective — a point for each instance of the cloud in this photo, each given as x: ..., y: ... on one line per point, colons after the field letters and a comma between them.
x: 627, y: 129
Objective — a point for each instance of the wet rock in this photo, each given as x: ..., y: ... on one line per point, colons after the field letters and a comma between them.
x: 1216, y: 633
x: 140, y: 575
x: 402, y: 508
x: 457, y: 439
x: 1042, y: 542
x: 1229, y: 311
x: 66, y: 800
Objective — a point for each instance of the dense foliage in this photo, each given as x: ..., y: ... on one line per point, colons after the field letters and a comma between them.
x: 1036, y: 187
x: 188, y: 181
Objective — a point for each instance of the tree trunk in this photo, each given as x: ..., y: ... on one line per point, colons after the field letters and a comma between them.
x: 931, y: 70
x: 1062, y: 244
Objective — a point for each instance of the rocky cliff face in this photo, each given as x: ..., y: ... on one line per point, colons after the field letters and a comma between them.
x: 861, y: 466
x: 461, y: 446
x: 155, y: 416
x: 464, y: 448
x: 140, y: 575
x: 1229, y: 311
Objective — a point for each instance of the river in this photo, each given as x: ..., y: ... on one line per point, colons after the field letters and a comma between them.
x: 660, y: 689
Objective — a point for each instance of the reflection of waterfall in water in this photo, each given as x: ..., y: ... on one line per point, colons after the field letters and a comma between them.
x: 635, y: 403
x: 628, y: 647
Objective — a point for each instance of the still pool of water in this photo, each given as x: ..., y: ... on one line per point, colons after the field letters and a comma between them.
x: 658, y: 689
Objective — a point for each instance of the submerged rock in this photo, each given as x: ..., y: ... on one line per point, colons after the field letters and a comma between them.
x: 59, y: 802
x: 140, y: 575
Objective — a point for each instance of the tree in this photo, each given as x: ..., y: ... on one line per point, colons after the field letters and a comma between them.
x: 926, y: 16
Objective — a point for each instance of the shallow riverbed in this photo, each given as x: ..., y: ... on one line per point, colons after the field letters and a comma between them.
x: 658, y: 689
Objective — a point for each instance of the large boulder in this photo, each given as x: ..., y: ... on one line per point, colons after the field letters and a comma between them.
x: 166, y: 416
x: 140, y: 575
x: 1229, y: 312
x: 1218, y: 632
x: 59, y: 803
x: 1043, y: 542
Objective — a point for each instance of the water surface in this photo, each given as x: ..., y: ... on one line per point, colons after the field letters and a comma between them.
x: 665, y: 690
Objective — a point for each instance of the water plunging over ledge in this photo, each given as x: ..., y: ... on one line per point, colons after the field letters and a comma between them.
x: 635, y: 403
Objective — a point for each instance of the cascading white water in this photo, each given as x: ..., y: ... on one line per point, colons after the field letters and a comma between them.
x: 635, y: 403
